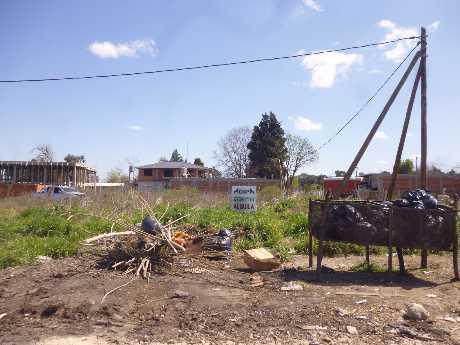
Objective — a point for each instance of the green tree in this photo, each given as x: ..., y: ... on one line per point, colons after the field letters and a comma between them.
x: 176, y: 157
x: 267, y: 149
x: 199, y: 162
x: 340, y: 173
x: 406, y: 167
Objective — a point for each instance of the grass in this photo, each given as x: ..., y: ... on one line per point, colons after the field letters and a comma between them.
x: 29, y: 228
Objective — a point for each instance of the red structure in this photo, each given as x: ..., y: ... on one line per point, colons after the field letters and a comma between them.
x: 332, y: 184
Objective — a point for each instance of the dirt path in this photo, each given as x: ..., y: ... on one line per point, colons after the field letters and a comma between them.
x: 59, y: 302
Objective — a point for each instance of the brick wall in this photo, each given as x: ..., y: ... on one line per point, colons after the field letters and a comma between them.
x: 17, y: 189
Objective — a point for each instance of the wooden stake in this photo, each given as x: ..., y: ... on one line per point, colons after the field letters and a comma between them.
x: 376, y: 126
x: 310, y: 237
x: 423, y: 176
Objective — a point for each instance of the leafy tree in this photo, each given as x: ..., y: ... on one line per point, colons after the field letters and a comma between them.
x: 176, y: 157
x: 116, y: 175
x: 232, y: 153
x: 267, y: 148
x: 70, y: 158
x: 300, y: 152
x: 44, y: 153
x: 406, y: 167
x: 340, y: 173
x: 199, y: 162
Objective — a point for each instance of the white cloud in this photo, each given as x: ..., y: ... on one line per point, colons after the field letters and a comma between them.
x: 109, y: 50
x: 375, y: 71
x: 397, y: 51
x: 433, y: 26
x: 304, y: 124
x: 409, y: 134
x: 312, y: 4
x: 326, y: 67
x: 380, y: 135
x: 135, y: 128
x: 382, y: 162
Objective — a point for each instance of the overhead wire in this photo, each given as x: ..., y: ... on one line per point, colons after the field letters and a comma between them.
x: 369, y: 100
x: 177, y: 69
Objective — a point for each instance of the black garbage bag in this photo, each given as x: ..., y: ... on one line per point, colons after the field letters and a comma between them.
x: 419, y: 199
x: 150, y: 225
x: 222, y: 241
x: 430, y: 201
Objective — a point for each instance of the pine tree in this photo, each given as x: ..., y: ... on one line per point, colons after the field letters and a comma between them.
x: 176, y: 157
x: 267, y: 148
x: 199, y: 162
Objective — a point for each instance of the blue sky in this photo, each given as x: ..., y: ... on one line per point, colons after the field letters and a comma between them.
x: 139, y: 119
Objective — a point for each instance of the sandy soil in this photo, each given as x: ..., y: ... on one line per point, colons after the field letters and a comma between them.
x: 208, y: 302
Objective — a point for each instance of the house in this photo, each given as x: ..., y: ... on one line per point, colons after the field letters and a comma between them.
x: 176, y: 175
x: 167, y: 170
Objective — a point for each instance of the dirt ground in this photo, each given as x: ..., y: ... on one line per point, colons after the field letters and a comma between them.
x: 215, y: 302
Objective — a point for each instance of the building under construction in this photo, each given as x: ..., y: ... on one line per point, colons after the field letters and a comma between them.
x: 35, y: 172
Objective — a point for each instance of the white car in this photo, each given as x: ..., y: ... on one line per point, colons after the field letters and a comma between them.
x: 58, y: 193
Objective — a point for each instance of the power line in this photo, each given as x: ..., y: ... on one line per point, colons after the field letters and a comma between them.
x: 369, y: 100
x: 209, y: 66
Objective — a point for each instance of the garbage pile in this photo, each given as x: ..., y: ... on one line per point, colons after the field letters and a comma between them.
x: 368, y: 222
x: 419, y: 199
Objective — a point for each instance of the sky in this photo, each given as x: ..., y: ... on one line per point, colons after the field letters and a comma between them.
x: 117, y: 121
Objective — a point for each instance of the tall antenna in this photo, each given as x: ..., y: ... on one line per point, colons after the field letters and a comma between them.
x: 186, y: 153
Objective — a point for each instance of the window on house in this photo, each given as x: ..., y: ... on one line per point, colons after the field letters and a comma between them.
x: 168, y: 173
x: 148, y: 172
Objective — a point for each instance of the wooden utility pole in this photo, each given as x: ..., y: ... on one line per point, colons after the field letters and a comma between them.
x: 402, y: 140
x: 376, y: 125
x: 423, y: 107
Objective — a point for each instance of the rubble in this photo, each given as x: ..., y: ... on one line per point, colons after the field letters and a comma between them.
x: 415, y: 311
x: 292, y: 286
x: 260, y: 259
x: 352, y: 330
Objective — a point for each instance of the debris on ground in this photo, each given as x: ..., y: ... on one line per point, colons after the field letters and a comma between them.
x: 352, y: 330
x: 292, y: 286
x: 260, y: 259
x: 256, y: 280
x: 415, y: 311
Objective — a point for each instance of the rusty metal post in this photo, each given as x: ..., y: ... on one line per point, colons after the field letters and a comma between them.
x: 390, y: 243
x: 376, y: 126
x: 368, y: 260
x: 319, y: 257
x: 423, y: 175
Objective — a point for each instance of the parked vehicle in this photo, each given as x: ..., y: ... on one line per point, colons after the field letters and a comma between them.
x: 58, y: 193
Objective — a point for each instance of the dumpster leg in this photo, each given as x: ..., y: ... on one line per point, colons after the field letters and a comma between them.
x: 310, y: 249
x: 368, y: 260
x: 424, y: 258
x: 390, y: 244
x: 319, y: 258
x: 455, y: 253
x: 402, y: 270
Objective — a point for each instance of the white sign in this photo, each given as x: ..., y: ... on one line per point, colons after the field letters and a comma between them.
x: 244, y: 198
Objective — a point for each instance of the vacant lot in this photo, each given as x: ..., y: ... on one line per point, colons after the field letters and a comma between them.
x: 55, y: 301
x: 59, y: 298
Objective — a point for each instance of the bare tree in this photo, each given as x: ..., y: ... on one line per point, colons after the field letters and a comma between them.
x: 116, y: 175
x: 44, y: 153
x: 300, y: 152
x: 232, y: 154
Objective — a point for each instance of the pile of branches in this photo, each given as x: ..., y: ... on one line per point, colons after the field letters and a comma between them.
x: 134, y: 250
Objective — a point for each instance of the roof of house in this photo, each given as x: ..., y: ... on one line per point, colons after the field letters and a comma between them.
x: 171, y: 165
